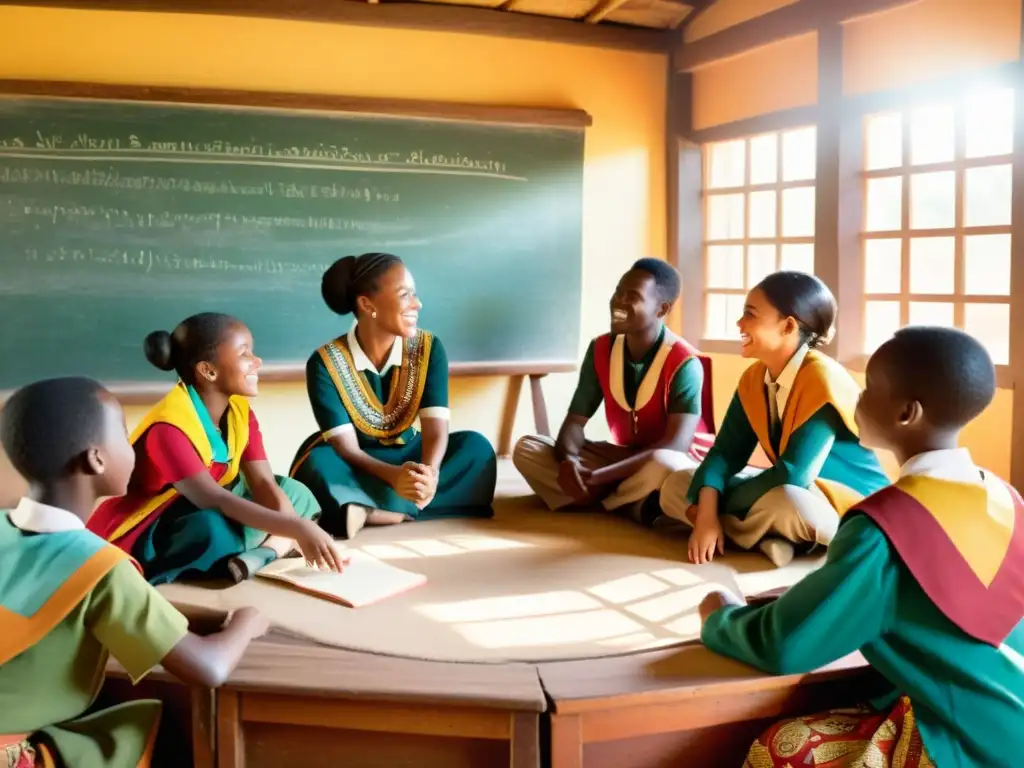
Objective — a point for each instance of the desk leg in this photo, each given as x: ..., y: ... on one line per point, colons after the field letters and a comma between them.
x: 566, y: 741
x: 540, y: 408
x: 508, y: 416
x: 230, y: 743
x: 204, y: 728
x: 524, y: 746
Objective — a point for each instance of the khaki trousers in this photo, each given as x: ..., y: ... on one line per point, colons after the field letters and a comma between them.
x: 800, y: 515
x: 534, y: 457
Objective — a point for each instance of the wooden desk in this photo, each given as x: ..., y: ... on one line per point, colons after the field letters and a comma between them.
x: 684, y: 706
x: 289, y: 703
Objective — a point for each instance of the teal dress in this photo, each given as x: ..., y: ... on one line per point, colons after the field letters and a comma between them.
x: 347, y: 393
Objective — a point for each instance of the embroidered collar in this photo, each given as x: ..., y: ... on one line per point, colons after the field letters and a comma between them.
x: 217, y: 444
x: 362, y: 362
x: 35, y: 517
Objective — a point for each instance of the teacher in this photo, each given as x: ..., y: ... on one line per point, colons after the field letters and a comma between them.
x: 368, y: 464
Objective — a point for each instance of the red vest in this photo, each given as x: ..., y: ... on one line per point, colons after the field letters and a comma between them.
x: 641, y: 426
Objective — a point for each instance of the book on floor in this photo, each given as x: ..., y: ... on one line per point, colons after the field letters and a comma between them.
x: 363, y: 581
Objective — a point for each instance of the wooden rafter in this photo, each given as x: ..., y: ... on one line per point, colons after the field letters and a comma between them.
x: 602, y: 9
x: 792, y: 20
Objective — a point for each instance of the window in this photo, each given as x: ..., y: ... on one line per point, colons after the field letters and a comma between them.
x: 937, y: 219
x: 759, y: 218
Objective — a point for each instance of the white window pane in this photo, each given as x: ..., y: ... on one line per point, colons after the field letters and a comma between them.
x: 725, y: 217
x: 723, y: 310
x: 884, y: 140
x: 882, y: 265
x: 987, y: 196
x: 881, y: 321
x: 798, y: 212
x: 725, y: 266
x: 799, y: 154
x: 990, y: 324
x: 933, y: 200
x: 764, y: 159
x: 727, y: 164
x: 798, y: 257
x: 931, y: 313
x: 932, y: 134
x: 990, y: 123
x: 760, y: 263
x: 762, y: 213
x: 884, y: 205
x: 932, y: 264
x: 987, y: 265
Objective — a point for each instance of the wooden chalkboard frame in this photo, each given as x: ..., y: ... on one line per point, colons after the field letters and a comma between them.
x: 144, y: 393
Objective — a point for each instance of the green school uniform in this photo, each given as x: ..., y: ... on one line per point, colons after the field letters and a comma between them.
x: 47, y: 686
x: 347, y: 392
x: 967, y: 695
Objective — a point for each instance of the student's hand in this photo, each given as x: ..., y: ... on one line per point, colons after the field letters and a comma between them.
x: 715, y: 600
x: 255, y: 623
x: 410, y: 482
x: 572, y: 479
x: 317, y: 546
x: 706, y: 538
x: 427, y: 476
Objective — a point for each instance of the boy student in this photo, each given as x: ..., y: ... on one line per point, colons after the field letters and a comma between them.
x: 67, y: 598
x: 925, y: 578
x: 657, y: 401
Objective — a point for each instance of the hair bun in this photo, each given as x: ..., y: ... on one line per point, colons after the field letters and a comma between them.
x: 159, y: 349
x: 818, y: 340
x: 336, y: 286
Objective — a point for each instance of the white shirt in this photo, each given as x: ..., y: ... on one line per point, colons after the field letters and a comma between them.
x: 780, y: 389
x: 953, y: 464
x: 35, y: 517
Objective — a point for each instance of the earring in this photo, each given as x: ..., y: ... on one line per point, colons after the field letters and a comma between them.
x: 374, y: 314
x: 212, y: 376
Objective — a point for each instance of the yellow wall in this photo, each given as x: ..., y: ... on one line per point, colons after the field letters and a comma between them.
x: 624, y: 177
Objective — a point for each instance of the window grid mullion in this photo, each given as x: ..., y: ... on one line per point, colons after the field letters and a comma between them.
x: 905, y: 219
x: 960, y: 158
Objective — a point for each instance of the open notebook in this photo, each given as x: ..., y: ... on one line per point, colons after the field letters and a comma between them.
x: 363, y: 581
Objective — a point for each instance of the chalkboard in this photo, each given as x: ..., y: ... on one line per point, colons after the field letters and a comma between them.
x: 118, y: 217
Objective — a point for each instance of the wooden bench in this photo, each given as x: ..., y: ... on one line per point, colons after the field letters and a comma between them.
x: 682, y: 707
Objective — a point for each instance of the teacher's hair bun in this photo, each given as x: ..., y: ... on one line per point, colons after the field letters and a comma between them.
x: 336, y: 286
x: 159, y: 350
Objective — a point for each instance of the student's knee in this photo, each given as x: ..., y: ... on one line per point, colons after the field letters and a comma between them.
x: 806, y: 509
x: 300, y: 496
x: 531, y: 450
x: 475, y: 445
x: 674, y: 490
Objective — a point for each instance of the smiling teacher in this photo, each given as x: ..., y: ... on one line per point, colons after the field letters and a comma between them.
x: 368, y: 464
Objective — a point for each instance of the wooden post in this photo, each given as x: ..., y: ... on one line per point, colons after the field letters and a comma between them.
x: 566, y: 741
x: 524, y: 745
x: 230, y: 739
x: 508, y: 415
x: 204, y: 728
x: 540, y: 408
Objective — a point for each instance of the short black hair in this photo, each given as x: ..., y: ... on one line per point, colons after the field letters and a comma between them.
x: 45, y: 426
x: 806, y: 299
x: 193, y: 341
x: 353, y: 276
x: 946, y: 370
x: 666, y: 277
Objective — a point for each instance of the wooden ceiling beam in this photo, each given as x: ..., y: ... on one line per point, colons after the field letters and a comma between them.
x: 792, y: 20
x: 602, y: 9
x: 399, y: 15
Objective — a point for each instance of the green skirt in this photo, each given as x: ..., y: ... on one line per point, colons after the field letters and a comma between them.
x: 187, y: 543
x: 465, y: 487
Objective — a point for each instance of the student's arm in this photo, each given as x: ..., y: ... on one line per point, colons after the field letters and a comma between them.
x: 684, y: 408
x: 734, y: 444
x: 434, y: 420
x: 799, y: 465
x: 141, y: 629
x: 845, y: 604
x: 259, y: 476
x: 585, y: 401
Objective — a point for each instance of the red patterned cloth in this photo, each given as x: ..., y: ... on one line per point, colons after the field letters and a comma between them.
x: 843, y: 738
x: 19, y: 755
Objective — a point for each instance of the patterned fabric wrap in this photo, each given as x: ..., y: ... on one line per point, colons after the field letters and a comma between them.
x: 19, y: 755
x: 383, y: 421
x: 843, y: 738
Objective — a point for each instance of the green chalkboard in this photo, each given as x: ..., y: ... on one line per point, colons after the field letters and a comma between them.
x: 120, y: 217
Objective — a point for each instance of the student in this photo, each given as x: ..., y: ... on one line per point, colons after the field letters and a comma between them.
x: 925, y: 578
x: 203, y: 501
x: 657, y: 401
x: 68, y: 599
x: 797, y: 404
x: 367, y: 464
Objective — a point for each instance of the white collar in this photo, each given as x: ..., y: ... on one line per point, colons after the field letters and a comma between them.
x: 788, y: 375
x: 363, y: 363
x: 34, y: 517
x: 953, y: 464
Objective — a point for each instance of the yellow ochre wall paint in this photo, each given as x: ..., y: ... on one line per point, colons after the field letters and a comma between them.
x: 624, y: 179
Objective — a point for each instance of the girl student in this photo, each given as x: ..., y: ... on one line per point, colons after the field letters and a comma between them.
x: 203, y: 500
x: 797, y: 404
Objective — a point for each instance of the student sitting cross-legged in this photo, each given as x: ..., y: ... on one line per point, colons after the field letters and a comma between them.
x: 656, y: 391
x: 203, y: 500
x: 68, y: 599
x: 797, y: 404
x: 925, y: 578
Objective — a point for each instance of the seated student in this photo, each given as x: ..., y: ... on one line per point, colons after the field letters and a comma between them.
x: 797, y: 404
x: 68, y: 599
x: 657, y: 401
x: 925, y: 578
x: 367, y: 464
x: 203, y: 501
